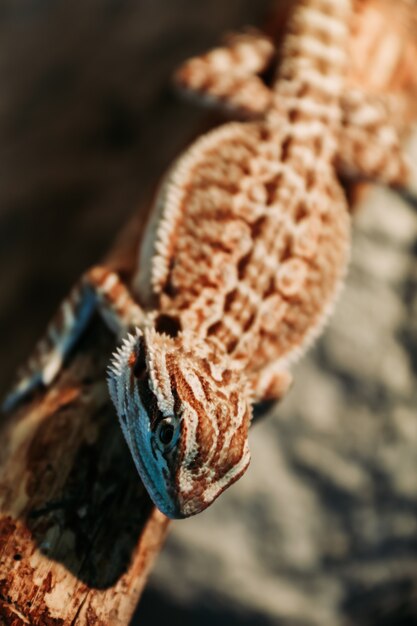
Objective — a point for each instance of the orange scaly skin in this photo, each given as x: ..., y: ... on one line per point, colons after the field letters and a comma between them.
x: 242, y: 260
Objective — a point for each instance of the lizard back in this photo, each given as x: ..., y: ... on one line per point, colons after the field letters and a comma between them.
x: 247, y: 250
x: 250, y: 233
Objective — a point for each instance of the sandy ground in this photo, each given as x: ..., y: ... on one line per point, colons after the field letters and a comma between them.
x: 322, y: 530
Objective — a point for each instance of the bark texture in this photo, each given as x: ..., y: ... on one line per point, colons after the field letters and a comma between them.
x: 78, y: 533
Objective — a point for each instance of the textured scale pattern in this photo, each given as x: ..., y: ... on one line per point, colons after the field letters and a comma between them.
x: 371, y: 147
x: 253, y: 248
x: 242, y: 260
x: 234, y: 81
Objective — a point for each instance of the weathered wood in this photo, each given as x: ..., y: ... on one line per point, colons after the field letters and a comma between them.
x: 78, y: 533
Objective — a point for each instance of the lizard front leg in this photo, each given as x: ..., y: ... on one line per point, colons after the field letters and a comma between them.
x: 270, y: 383
x: 227, y: 75
x: 100, y: 290
x: 370, y: 145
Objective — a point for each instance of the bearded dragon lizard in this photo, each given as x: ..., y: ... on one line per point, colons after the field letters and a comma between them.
x: 242, y: 260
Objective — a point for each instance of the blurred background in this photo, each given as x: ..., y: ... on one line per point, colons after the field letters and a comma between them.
x: 322, y: 530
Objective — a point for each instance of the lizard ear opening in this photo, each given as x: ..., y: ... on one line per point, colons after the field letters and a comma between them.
x: 168, y: 325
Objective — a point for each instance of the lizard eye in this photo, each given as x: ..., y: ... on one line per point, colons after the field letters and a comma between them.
x: 166, y: 431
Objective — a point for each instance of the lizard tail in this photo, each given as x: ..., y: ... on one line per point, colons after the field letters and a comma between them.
x: 314, y: 53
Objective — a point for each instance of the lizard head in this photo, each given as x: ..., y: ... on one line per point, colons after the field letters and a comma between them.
x: 185, y: 416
